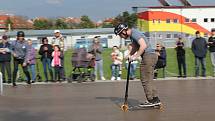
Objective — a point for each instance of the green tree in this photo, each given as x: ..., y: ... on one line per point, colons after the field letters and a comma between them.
x: 107, y: 25
x: 9, y: 23
x: 86, y: 22
x: 41, y: 24
x: 60, y: 24
x: 127, y: 18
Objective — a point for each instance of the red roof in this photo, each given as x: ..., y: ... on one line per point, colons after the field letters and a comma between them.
x: 172, y: 7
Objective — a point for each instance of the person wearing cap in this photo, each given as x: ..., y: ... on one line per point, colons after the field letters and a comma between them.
x: 96, y: 49
x: 211, y: 43
x: 199, y: 49
x: 58, y: 39
x: 5, y: 59
x: 19, y: 50
x: 142, y: 47
x: 180, y: 52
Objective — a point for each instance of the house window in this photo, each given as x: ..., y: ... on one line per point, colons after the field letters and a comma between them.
x: 205, y: 19
x: 153, y: 20
x: 168, y: 20
x: 175, y: 20
x: 160, y: 36
x: 187, y: 35
x: 110, y: 37
x: 187, y: 20
x: 212, y: 20
x: 159, y: 21
x: 175, y: 35
x: 194, y: 20
x: 168, y: 36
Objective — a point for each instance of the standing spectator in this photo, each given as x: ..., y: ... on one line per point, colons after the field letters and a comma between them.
x: 211, y: 43
x: 31, y: 60
x: 199, y: 48
x: 59, y: 40
x: 5, y: 58
x: 134, y: 63
x: 180, y: 52
x: 96, y: 49
x: 161, y: 63
x: 56, y: 62
x: 117, y: 58
x: 46, y: 57
x: 19, y: 49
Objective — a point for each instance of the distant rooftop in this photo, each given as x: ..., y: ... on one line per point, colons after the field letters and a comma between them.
x: 172, y: 7
x: 64, y: 32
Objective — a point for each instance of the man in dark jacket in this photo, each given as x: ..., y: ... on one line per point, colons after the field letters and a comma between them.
x: 199, y: 48
x: 46, y: 57
x: 19, y: 49
x: 211, y: 43
x: 5, y: 59
x: 180, y: 51
x: 161, y: 63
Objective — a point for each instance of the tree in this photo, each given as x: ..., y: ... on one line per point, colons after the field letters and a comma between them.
x: 86, y: 22
x: 60, y: 24
x: 107, y: 25
x: 41, y: 24
x: 127, y: 18
x: 9, y: 23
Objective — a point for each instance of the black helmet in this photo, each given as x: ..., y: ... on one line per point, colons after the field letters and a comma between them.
x: 20, y: 34
x: 120, y: 27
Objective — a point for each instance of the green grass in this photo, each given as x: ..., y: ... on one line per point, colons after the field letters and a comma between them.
x: 171, y: 69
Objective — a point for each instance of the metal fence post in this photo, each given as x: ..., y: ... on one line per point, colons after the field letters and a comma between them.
x: 1, y: 84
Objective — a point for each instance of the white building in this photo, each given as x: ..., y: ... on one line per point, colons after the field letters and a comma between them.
x: 167, y: 23
x: 73, y: 37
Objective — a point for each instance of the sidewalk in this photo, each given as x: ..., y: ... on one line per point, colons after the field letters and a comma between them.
x: 158, y: 79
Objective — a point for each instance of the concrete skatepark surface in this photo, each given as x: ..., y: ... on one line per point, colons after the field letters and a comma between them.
x: 184, y: 100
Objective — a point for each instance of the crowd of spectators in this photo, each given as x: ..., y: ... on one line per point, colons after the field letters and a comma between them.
x: 52, y: 58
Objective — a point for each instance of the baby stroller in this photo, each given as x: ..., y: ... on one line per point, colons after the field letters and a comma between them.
x: 83, y: 66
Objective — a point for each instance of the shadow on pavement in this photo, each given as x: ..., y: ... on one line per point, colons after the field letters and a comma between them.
x: 119, y: 101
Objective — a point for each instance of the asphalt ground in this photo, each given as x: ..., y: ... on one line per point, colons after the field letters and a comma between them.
x: 184, y: 100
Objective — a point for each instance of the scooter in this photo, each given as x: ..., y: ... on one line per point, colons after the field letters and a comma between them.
x: 125, y: 106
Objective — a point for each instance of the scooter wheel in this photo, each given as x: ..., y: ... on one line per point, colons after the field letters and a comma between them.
x: 124, y: 107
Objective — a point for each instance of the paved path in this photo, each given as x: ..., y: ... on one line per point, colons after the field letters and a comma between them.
x: 184, y: 100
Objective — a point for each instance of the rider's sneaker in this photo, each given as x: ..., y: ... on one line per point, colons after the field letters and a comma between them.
x: 143, y: 104
x: 154, y: 102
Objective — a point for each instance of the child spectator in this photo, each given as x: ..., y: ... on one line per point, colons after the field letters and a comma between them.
x: 31, y: 60
x: 134, y: 63
x: 116, y: 65
x: 56, y: 62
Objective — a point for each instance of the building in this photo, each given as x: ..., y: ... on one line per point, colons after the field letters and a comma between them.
x: 18, y: 22
x: 74, y: 38
x: 166, y: 23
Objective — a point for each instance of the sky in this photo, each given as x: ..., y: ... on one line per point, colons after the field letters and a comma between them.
x: 95, y: 9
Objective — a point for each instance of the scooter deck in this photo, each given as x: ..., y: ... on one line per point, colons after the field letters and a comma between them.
x: 137, y: 107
